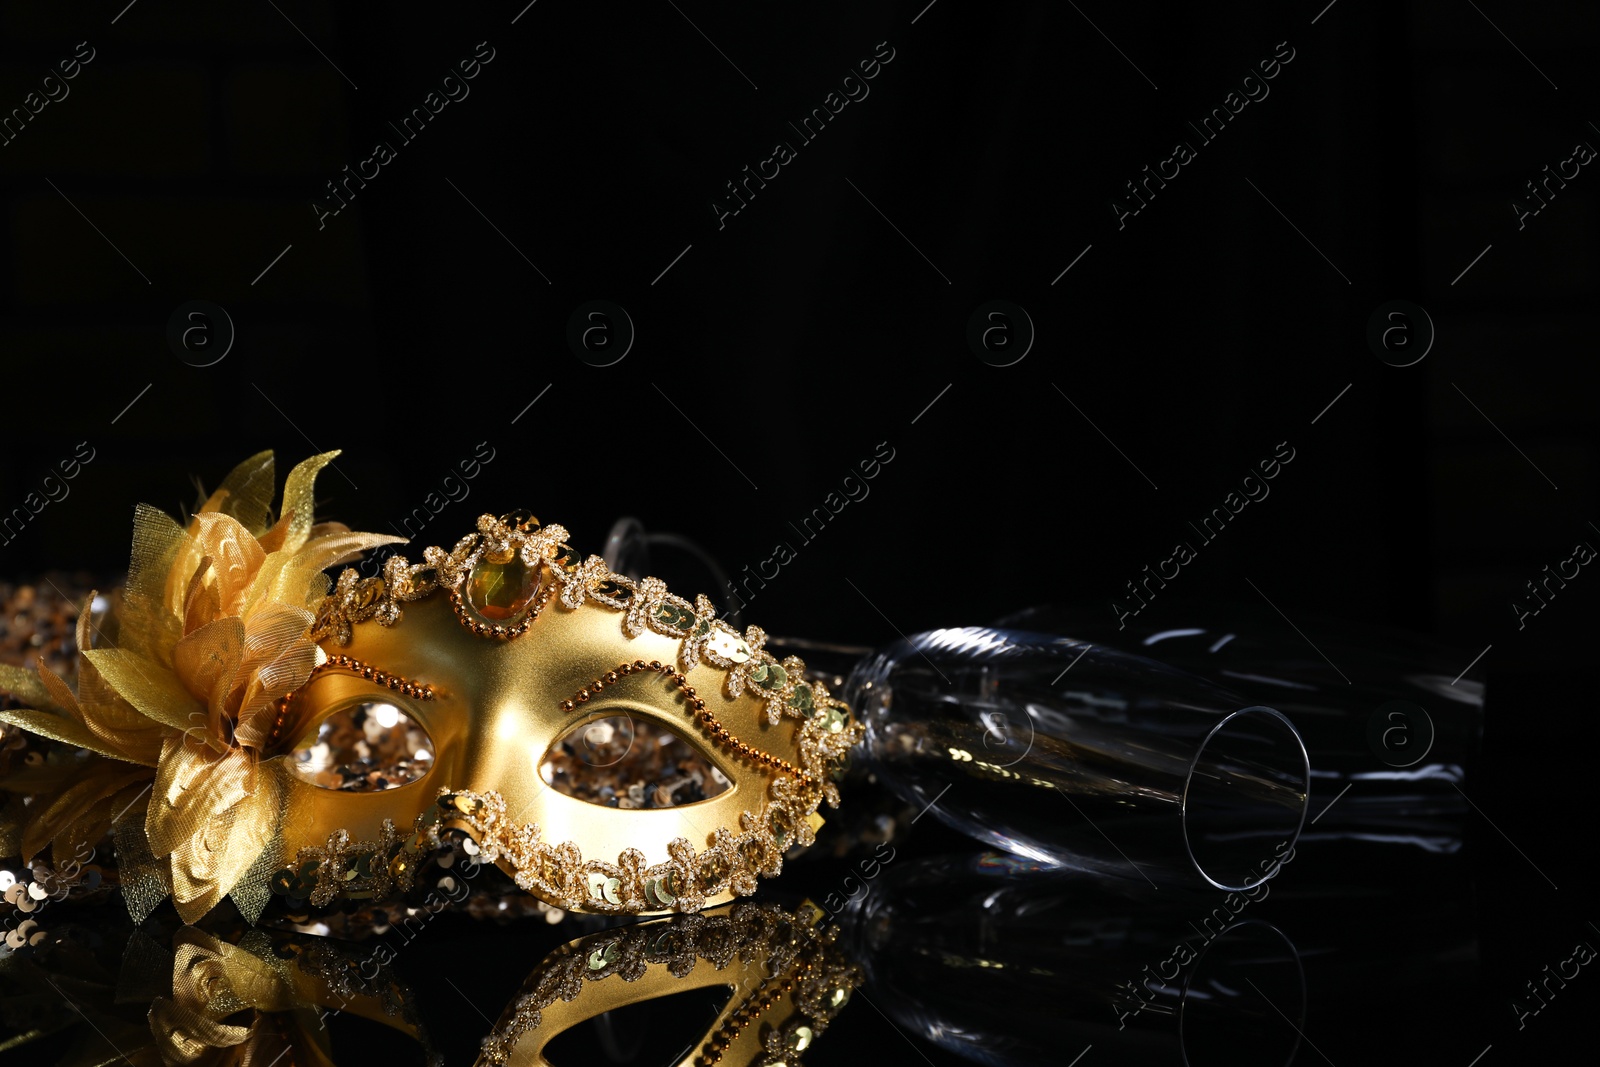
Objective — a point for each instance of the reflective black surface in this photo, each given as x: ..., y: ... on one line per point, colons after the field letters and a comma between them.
x: 1401, y: 926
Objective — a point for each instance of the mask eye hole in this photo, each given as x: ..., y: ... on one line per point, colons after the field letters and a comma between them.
x: 619, y: 760
x: 363, y: 747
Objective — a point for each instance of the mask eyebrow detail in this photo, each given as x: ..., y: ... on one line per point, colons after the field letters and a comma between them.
x: 361, y: 668
x: 703, y: 715
x: 396, y: 682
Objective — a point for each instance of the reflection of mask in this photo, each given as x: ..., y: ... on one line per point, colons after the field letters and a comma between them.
x: 240, y: 730
x: 202, y: 1000
x: 259, y: 999
x: 787, y: 982
x: 248, y: 1004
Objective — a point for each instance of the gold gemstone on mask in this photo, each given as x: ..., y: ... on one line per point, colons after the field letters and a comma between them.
x: 500, y: 592
x: 369, y: 593
x: 615, y: 592
x: 799, y: 1039
x: 289, y: 882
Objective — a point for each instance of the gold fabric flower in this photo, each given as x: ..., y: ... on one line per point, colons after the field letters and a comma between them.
x: 178, y: 709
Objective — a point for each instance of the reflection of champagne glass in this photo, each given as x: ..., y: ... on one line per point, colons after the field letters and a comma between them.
x: 1076, y: 755
x: 1005, y: 962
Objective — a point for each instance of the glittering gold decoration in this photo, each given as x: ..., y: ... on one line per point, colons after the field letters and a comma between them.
x: 518, y: 538
x: 255, y: 1002
x: 497, y: 543
x: 797, y: 979
x: 344, y: 867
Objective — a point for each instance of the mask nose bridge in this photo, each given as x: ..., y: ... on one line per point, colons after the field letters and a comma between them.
x: 507, y: 735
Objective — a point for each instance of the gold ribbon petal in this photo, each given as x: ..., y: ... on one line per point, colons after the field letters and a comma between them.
x: 149, y: 617
x: 121, y: 731
x: 148, y: 686
x: 132, y: 736
x: 323, y: 552
x: 145, y: 879
x: 187, y: 1036
x: 246, y: 493
x: 234, y: 555
x: 219, y: 979
x: 278, y: 658
x: 215, y: 828
x: 193, y: 784
x: 76, y: 841
x: 67, y: 731
x: 207, y: 662
x: 297, y: 578
x: 101, y: 779
x: 299, y: 500
x: 61, y: 694
x: 27, y: 686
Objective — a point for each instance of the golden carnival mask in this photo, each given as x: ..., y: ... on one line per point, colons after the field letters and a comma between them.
x: 243, y: 729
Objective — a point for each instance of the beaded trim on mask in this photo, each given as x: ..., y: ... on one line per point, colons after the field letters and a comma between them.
x: 517, y: 540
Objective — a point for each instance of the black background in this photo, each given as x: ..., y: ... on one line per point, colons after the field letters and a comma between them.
x: 830, y: 315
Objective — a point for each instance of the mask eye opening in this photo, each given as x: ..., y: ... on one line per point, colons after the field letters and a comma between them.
x: 615, y: 758
x: 363, y: 744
